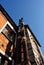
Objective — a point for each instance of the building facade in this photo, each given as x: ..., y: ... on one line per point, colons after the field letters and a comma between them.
x: 18, y: 44
x: 7, y: 37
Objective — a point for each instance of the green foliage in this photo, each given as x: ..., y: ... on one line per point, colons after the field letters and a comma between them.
x: 43, y: 64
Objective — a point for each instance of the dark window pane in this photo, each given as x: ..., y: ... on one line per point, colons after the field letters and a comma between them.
x: 9, y: 33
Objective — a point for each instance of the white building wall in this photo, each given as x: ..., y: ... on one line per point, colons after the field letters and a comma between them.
x: 34, y: 47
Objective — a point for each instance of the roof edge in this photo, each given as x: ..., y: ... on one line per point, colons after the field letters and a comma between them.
x: 8, y: 17
x: 33, y: 34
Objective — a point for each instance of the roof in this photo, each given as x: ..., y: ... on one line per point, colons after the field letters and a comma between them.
x: 8, y: 17
x: 27, y: 26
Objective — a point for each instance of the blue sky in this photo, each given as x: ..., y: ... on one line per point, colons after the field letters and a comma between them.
x: 33, y: 13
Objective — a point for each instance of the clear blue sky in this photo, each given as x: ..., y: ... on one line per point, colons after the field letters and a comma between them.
x: 33, y: 13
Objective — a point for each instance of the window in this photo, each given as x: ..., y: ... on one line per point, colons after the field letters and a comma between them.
x: 9, y: 33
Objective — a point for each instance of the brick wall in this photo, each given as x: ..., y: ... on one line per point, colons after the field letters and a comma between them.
x: 3, y: 42
x: 2, y: 20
